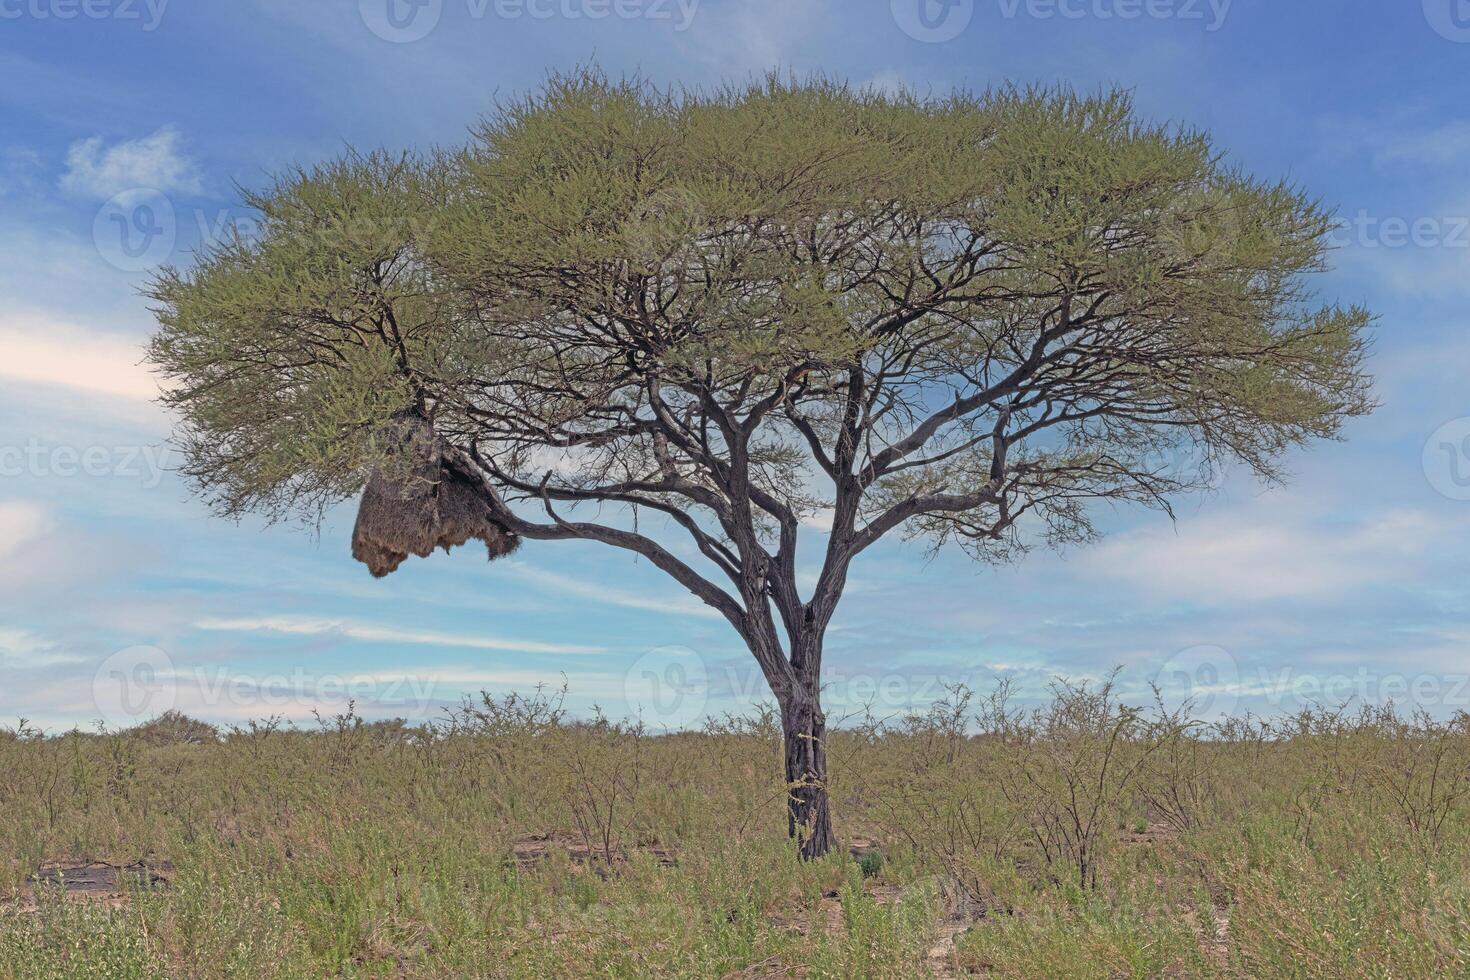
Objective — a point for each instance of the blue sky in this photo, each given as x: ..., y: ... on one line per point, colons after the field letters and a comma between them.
x: 120, y: 595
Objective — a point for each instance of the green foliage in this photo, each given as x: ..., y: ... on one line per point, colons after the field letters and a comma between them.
x: 289, y: 347
x: 1107, y: 290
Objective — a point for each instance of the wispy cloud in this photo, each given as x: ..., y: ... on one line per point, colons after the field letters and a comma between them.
x: 1247, y: 557
x: 20, y: 522
x: 21, y: 650
x: 583, y: 685
x: 668, y: 599
x: 53, y: 352
x: 1438, y: 146
x: 755, y: 35
x: 375, y: 633
x: 156, y: 162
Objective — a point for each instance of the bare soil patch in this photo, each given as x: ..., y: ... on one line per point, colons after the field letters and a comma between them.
x: 95, y: 881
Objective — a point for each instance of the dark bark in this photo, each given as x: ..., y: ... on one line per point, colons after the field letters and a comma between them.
x: 804, y: 734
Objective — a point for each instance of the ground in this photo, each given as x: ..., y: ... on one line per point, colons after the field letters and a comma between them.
x: 1062, y: 843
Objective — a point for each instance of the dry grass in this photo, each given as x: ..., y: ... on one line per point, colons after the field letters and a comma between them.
x: 1083, y: 839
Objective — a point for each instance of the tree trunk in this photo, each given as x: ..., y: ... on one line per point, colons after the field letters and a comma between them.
x: 804, y: 731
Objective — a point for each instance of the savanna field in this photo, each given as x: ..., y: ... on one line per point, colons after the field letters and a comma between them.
x: 1081, y: 838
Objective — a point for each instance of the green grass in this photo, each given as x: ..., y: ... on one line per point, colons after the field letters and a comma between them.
x: 516, y: 844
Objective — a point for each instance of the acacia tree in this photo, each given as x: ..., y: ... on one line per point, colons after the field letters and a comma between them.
x: 771, y: 313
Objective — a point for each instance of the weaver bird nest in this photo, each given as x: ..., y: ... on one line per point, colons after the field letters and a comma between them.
x: 420, y: 500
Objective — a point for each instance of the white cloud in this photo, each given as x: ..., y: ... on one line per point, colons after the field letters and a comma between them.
x: 20, y: 650
x: 819, y: 520
x: 1249, y: 557
x: 755, y: 35
x: 670, y: 600
x: 225, y: 696
x: 153, y: 162
x: 382, y: 634
x: 40, y: 349
x: 583, y: 685
x: 43, y: 554
x: 20, y: 522
x: 1439, y: 147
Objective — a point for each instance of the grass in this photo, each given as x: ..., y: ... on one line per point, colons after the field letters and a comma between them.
x: 1085, y: 838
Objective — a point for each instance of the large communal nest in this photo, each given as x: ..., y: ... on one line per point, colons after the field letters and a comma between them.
x: 418, y: 500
